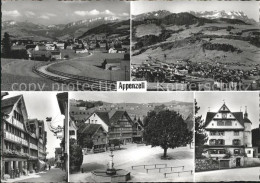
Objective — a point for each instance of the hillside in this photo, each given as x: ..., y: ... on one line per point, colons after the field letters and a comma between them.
x: 197, y: 39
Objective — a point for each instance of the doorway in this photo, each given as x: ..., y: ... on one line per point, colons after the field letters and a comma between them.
x: 238, y: 162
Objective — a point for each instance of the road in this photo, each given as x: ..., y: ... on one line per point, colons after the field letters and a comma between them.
x: 238, y: 174
x: 53, y: 175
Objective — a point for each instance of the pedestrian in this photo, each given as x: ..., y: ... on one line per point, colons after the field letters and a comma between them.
x: 49, y: 167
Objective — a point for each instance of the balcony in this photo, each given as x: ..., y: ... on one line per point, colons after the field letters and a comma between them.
x: 15, y: 138
x: 33, y: 146
x: 17, y: 123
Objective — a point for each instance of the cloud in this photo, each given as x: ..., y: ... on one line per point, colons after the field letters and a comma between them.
x: 47, y: 16
x: 13, y: 13
x: 107, y: 12
x: 93, y: 13
x: 29, y: 13
x: 125, y: 14
x: 44, y: 17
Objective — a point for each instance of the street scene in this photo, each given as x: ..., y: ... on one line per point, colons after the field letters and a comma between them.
x: 196, y: 45
x: 118, y: 137
x: 33, y: 138
x: 227, y: 140
x: 82, y: 45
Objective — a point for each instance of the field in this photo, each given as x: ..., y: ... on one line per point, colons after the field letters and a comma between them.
x: 17, y: 75
x: 89, y: 66
x: 150, y: 29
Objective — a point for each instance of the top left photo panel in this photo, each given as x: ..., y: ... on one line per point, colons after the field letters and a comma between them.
x: 64, y: 45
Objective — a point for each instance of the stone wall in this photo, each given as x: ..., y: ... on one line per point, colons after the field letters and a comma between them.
x: 250, y: 162
x: 206, y: 164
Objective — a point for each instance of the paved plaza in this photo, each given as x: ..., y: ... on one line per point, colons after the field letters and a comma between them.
x: 133, y: 154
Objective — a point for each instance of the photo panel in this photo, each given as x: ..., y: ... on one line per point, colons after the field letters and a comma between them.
x: 34, y: 136
x: 65, y: 45
x: 196, y: 45
x: 227, y: 136
x: 136, y: 137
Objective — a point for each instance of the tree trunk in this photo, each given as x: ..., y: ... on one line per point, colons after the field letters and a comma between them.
x: 165, y: 152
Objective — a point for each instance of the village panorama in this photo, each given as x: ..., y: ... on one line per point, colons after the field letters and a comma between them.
x: 85, y: 48
x: 186, y: 45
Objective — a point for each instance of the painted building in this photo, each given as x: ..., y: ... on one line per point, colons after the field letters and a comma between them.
x: 229, y: 136
x: 23, y: 140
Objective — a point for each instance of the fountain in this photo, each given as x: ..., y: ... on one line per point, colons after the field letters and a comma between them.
x: 110, y: 174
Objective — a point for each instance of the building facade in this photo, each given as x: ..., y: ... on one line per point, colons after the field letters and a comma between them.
x: 23, y: 140
x: 229, y: 136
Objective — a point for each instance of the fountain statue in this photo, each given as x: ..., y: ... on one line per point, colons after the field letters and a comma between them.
x: 110, y: 174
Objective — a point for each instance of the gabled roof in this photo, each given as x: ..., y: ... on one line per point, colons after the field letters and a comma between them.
x: 117, y: 115
x: 89, y: 129
x: 104, y: 116
x: 209, y: 117
x: 224, y: 105
x: 8, y: 104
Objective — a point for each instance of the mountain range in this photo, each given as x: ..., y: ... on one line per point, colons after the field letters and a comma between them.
x: 203, y: 14
x: 58, y: 31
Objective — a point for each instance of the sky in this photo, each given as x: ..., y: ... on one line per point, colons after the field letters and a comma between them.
x: 145, y: 97
x: 250, y: 8
x: 50, y: 12
x: 234, y: 100
x: 41, y: 105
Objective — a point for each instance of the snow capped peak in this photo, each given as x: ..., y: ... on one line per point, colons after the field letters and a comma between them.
x: 223, y: 14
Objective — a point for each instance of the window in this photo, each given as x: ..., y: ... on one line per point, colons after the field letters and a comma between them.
x: 236, y: 142
x: 236, y: 151
x: 228, y: 123
x: 236, y: 133
x: 249, y: 152
x: 72, y: 132
x: 224, y: 116
x: 220, y: 123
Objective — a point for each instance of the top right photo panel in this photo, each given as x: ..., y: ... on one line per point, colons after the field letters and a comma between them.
x: 196, y: 45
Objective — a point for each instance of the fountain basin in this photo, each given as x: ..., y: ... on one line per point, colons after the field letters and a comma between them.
x: 102, y: 176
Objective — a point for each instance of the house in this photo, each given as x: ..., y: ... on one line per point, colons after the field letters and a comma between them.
x: 55, y: 55
x: 42, y: 55
x: 119, y: 126
x: 60, y: 45
x: 81, y: 51
x: 23, y: 139
x: 97, y: 134
x: 30, y: 46
x: 120, y: 50
x: 112, y: 50
x: 229, y: 137
x: 101, y: 118
x: 50, y: 46
x: 72, y: 130
x: 40, y: 47
x: 112, y: 64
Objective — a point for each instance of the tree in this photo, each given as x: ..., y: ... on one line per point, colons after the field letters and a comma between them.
x: 200, y: 135
x: 6, y: 50
x: 76, y: 156
x: 166, y: 129
x: 107, y: 47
